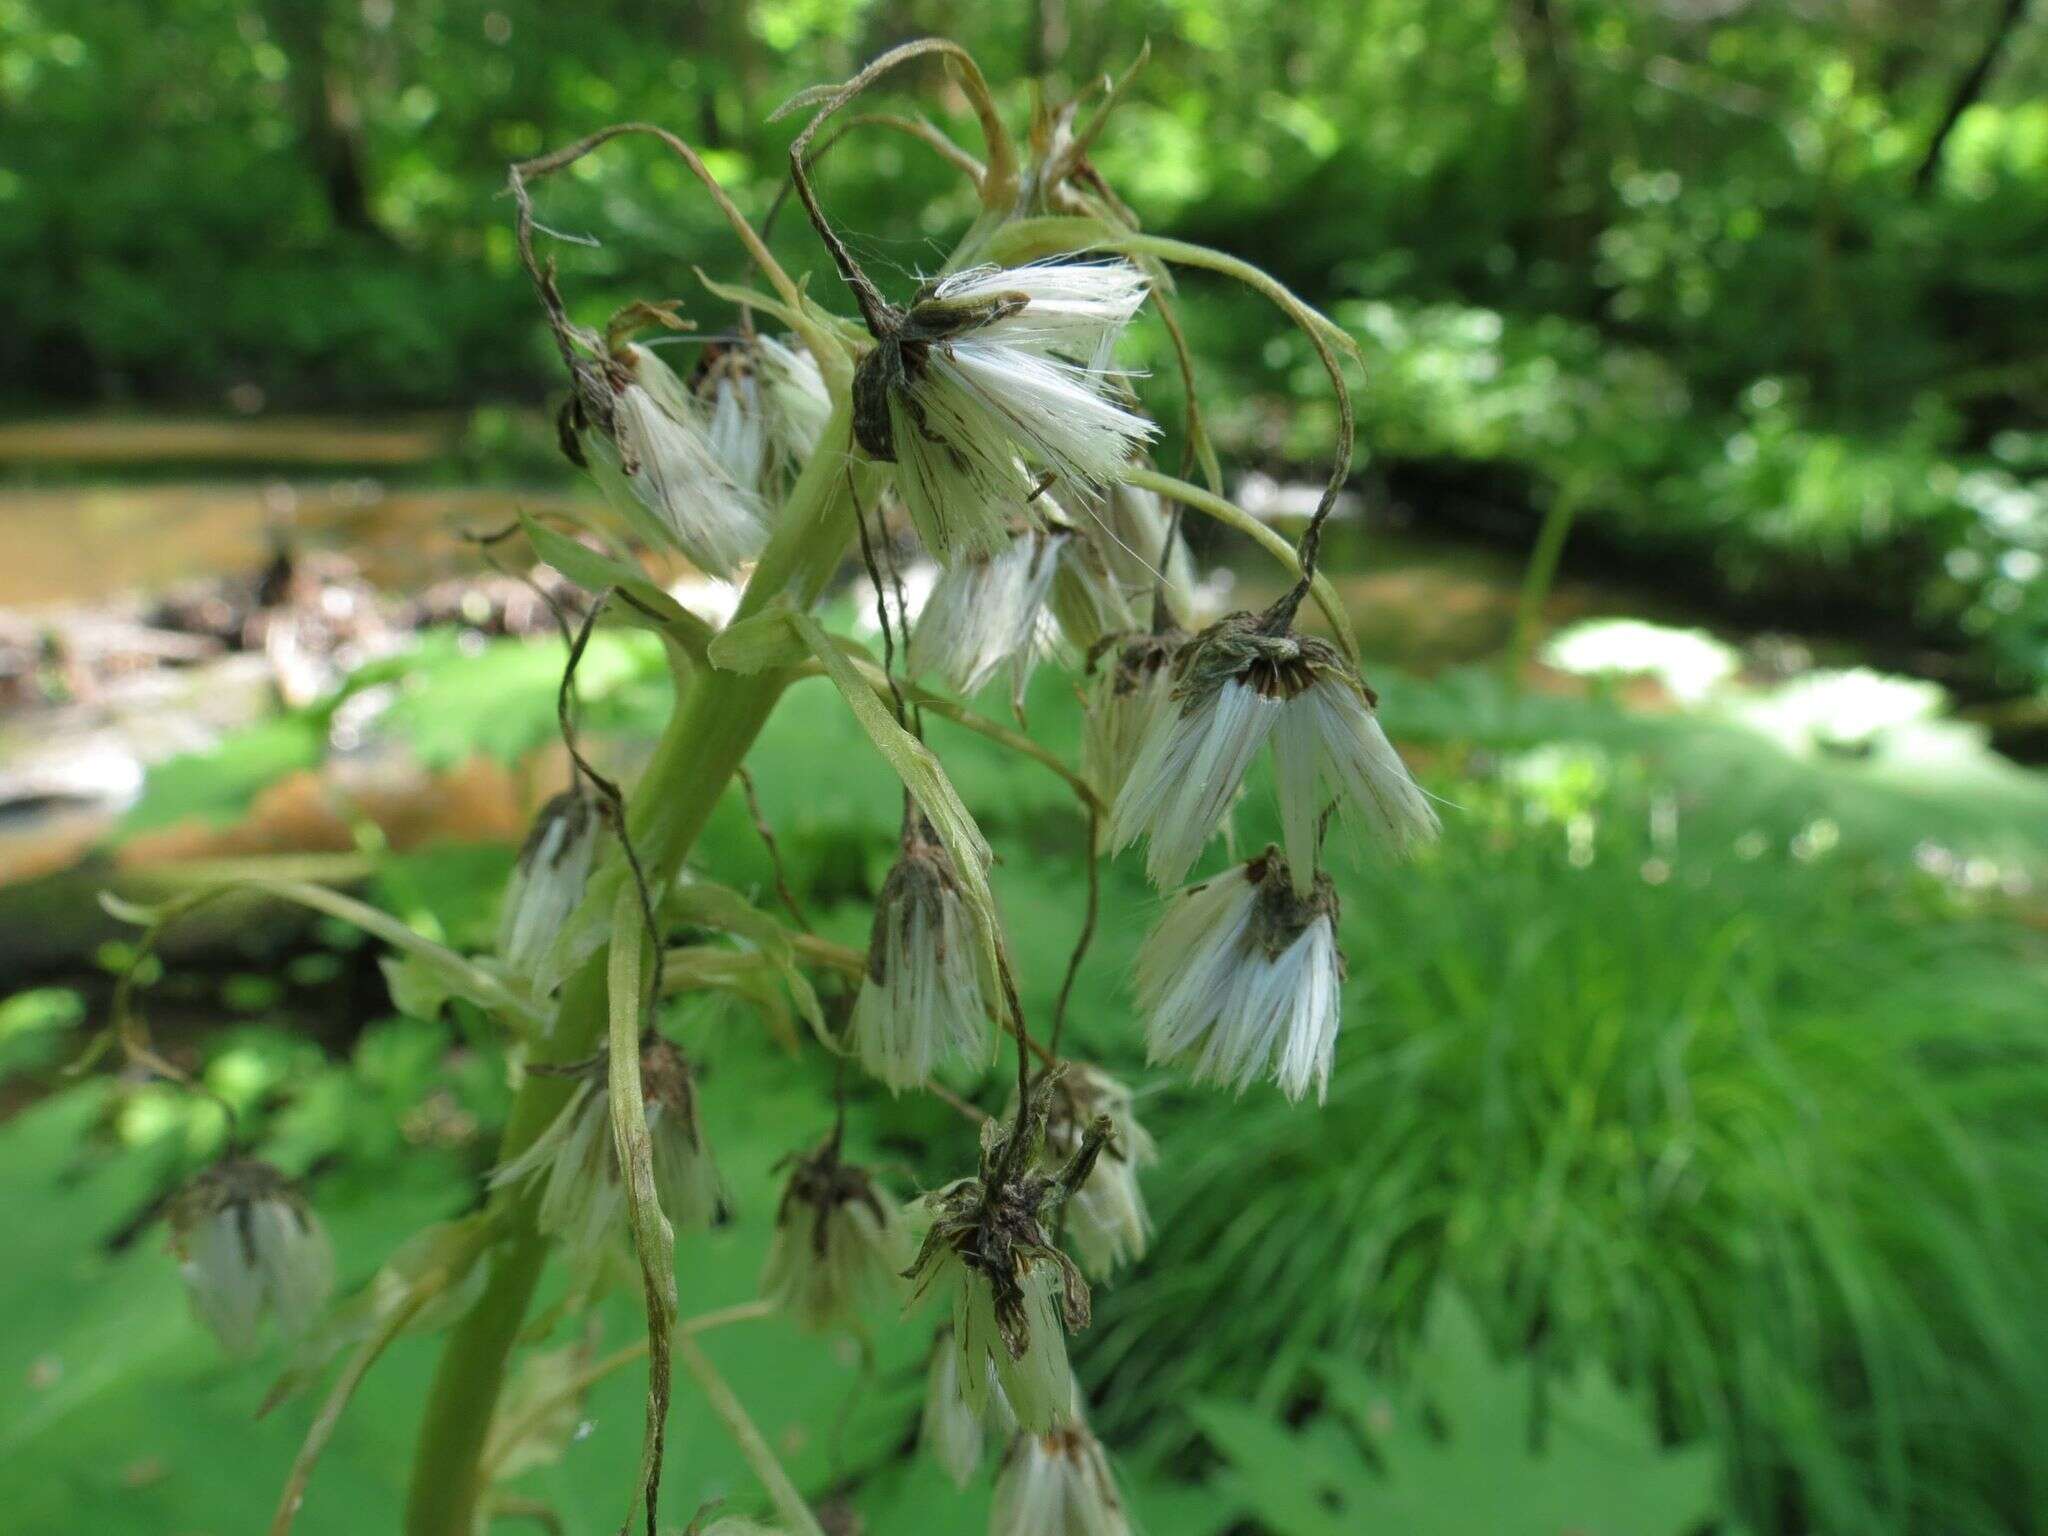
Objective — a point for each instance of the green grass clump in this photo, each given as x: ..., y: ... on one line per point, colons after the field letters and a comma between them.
x: 1734, y: 1102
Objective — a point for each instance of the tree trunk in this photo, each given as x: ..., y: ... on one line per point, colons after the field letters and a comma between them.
x: 324, y: 106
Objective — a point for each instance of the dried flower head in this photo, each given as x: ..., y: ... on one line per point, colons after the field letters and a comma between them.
x: 248, y: 1245
x: 1242, y: 975
x: 951, y: 1431
x: 985, y: 610
x: 1234, y: 685
x: 839, y: 1244
x: 575, y: 1161
x: 547, y: 882
x: 993, y: 366
x: 923, y: 998
x: 1015, y: 1294
x: 1057, y: 1484
x: 663, y: 449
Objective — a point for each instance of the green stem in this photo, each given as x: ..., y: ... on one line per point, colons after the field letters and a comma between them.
x: 707, y: 737
x: 1542, y: 573
x: 705, y: 741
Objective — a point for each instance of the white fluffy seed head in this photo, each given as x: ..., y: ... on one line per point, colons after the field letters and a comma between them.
x: 1187, y: 771
x: 1242, y: 977
x: 797, y: 401
x: 1328, y: 747
x: 1057, y: 1484
x: 839, y: 1246
x: 1134, y: 528
x: 922, y: 1000
x: 248, y: 1247
x: 985, y: 611
x: 1088, y: 601
x: 673, y: 469
x: 547, y: 882
x: 1026, y: 382
x: 1072, y: 309
x: 736, y: 424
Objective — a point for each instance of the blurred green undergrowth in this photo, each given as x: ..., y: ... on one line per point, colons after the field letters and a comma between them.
x: 1689, y: 1058
x: 1755, y: 285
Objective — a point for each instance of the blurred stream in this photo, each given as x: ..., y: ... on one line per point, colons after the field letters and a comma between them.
x: 168, y: 581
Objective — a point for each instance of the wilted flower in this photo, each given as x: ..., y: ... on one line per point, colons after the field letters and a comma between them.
x: 1135, y: 542
x: 547, y: 883
x: 1106, y: 1214
x: 923, y: 997
x: 839, y: 1243
x: 1131, y: 687
x: 248, y: 1244
x: 797, y: 402
x: 986, y: 610
x: 1088, y: 599
x: 1234, y: 684
x: 575, y: 1161
x: 765, y: 406
x: 1014, y: 1293
x: 1057, y: 1484
x: 728, y: 395
x: 689, y: 483
x: 1242, y: 976
x: 952, y: 1430
x: 990, y: 366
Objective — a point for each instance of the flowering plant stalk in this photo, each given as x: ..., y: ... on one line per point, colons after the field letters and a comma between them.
x: 984, y: 416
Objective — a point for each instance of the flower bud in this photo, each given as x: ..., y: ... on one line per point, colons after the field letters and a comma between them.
x: 248, y: 1244
x: 1057, y: 1484
x: 547, y: 883
x: 1242, y: 977
x: 923, y: 997
x: 839, y: 1244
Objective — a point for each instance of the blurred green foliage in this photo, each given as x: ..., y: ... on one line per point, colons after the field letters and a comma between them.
x: 1702, y: 1060
x: 1457, y: 1453
x: 1755, y: 282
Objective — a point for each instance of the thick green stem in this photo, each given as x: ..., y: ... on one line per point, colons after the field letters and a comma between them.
x: 707, y: 737
x: 705, y: 741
